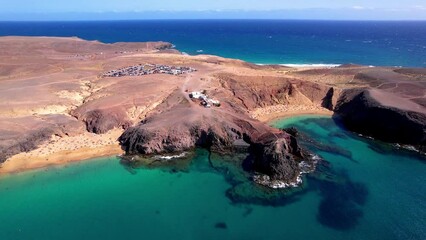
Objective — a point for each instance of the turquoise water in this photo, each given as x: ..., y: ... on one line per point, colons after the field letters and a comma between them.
x: 362, y: 190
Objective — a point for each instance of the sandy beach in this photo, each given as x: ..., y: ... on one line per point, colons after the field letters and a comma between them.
x: 271, y: 113
x: 63, y: 150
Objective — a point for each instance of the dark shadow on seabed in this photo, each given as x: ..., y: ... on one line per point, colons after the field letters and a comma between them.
x: 341, y: 203
x: 342, y: 199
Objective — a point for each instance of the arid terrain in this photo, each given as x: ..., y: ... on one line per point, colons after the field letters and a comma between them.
x: 57, y: 106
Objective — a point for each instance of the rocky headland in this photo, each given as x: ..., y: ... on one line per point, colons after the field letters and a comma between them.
x: 390, y: 108
x: 57, y: 105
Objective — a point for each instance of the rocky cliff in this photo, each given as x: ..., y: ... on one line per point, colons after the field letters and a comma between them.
x: 382, y: 115
x: 183, y: 127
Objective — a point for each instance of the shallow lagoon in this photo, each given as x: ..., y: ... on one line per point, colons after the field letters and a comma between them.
x: 363, y: 190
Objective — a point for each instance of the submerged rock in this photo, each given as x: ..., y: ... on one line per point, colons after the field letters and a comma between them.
x: 168, y: 163
x: 221, y: 225
x: 311, y: 143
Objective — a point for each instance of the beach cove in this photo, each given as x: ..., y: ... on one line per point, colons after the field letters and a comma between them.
x: 363, y: 190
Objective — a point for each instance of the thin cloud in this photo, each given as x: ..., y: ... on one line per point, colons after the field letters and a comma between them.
x: 419, y: 7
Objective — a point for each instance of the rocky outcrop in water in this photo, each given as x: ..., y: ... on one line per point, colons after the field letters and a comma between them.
x: 277, y: 156
x: 327, y: 101
x: 273, y: 152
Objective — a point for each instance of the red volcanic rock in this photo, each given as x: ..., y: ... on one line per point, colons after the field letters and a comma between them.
x: 277, y: 155
x: 182, y: 128
x: 178, y: 137
x: 251, y: 92
x: 102, y: 120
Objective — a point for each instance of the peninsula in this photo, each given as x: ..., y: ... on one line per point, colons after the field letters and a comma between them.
x: 67, y: 99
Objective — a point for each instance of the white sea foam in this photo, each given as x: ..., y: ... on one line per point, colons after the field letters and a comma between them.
x: 170, y: 157
x: 266, y: 181
x: 296, y: 65
x: 318, y: 65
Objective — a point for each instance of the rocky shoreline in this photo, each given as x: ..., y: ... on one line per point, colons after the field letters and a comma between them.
x: 274, y: 152
x: 361, y: 112
x: 44, y: 109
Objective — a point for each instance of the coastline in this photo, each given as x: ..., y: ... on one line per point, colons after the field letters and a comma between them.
x: 285, y: 115
x: 72, y: 113
x: 303, y: 65
x: 272, y: 113
x: 20, y: 163
x: 65, y: 150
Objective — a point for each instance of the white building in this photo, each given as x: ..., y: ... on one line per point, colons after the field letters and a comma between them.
x: 196, y: 95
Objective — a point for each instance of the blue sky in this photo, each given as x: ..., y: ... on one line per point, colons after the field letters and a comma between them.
x: 286, y: 9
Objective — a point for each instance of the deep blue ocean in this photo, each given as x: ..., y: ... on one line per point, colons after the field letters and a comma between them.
x: 258, y: 41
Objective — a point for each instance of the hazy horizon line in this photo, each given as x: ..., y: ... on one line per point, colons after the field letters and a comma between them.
x: 220, y: 19
x: 349, y: 14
